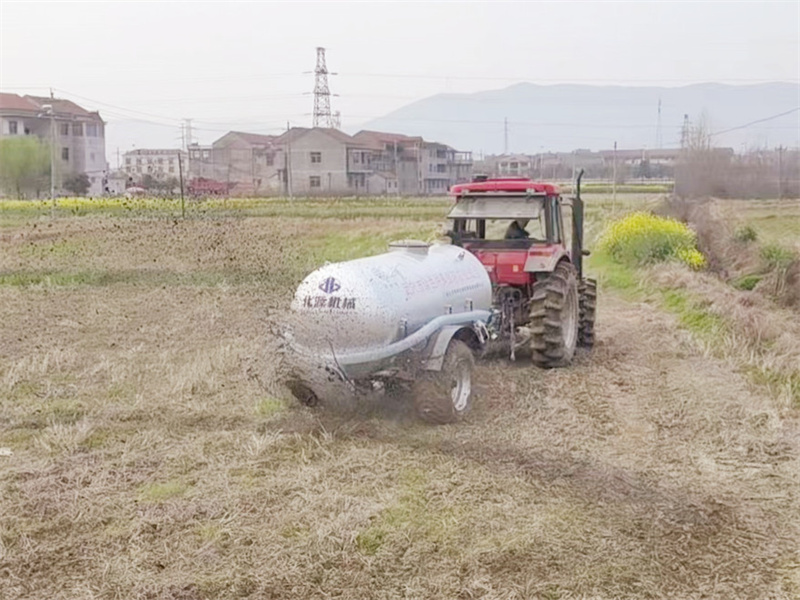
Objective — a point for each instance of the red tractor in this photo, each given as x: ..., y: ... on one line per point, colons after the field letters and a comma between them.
x: 530, y: 239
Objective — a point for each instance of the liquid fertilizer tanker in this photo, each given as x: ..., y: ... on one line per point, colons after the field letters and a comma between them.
x: 416, y: 316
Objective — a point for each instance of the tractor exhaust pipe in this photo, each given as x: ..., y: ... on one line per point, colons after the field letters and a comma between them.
x: 577, y: 228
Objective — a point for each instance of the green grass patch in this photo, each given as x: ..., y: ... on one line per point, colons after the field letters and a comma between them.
x: 627, y: 188
x: 410, y: 209
x: 158, y: 492
x: 269, y: 407
x: 612, y: 274
x: 143, y: 277
x: 693, y: 315
x: 341, y: 246
x: 747, y: 282
x: 412, y: 516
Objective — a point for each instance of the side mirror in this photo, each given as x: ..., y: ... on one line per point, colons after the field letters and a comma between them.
x: 585, y: 252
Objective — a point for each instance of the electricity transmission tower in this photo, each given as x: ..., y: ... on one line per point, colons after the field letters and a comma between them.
x: 322, y: 93
x: 685, y: 132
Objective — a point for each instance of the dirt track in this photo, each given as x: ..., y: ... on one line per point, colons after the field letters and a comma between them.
x: 687, y: 475
x: 148, y: 460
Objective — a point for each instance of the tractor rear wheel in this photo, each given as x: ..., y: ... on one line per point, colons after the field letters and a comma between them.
x: 445, y: 396
x: 588, y: 307
x: 555, y: 318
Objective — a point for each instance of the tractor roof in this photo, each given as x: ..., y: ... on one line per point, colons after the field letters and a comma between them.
x: 508, y: 185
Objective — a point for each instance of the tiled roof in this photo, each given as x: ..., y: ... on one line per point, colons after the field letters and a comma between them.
x: 61, y: 106
x: 254, y: 138
x: 290, y: 136
x: 378, y: 139
x: 296, y: 133
x: 15, y: 102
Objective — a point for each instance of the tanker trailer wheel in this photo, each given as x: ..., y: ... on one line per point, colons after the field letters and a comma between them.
x: 588, y: 307
x: 555, y: 316
x: 446, y: 396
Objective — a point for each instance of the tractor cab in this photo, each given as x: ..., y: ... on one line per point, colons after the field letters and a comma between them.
x: 514, y: 226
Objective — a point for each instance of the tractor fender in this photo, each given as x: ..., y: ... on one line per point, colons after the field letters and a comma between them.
x: 545, y: 261
x: 474, y: 336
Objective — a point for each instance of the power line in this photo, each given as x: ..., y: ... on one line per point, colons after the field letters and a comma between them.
x: 783, y: 114
x: 566, y: 80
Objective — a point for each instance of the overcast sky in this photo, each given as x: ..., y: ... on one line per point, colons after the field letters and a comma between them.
x: 229, y: 63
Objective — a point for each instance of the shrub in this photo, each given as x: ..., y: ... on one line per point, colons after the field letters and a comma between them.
x: 745, y: 234
x: 777, y: 257
x: 643, y: 238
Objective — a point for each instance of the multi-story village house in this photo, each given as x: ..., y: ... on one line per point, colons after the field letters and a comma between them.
x: 328, y: 162
x: 160, y: 164
x: 77, y: 135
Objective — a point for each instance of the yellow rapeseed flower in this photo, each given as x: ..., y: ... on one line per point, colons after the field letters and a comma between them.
x: 643, y: 238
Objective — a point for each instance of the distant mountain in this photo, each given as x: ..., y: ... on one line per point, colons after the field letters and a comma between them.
x: 567, y: 117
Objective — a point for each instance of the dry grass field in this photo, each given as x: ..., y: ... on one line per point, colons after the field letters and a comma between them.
x: 147, y: 452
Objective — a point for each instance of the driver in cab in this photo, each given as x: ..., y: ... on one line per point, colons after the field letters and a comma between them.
x: 516, y: 230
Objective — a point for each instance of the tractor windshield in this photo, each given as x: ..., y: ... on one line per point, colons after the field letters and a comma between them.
x: 491, y: 218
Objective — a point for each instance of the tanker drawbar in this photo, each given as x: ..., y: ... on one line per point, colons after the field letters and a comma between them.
x: 410, y: 317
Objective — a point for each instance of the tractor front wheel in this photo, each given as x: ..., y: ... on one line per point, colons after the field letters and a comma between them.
x: 445, y: 396
x: 555, y: 317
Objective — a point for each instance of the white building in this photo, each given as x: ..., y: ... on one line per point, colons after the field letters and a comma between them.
x: 161, y: 164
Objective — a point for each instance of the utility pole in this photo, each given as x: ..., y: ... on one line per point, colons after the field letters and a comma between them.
x: 614, y: 180
x: 180, y: 174
x: 780, y: 172
x: 48, y: 110
x: 659, y: 138
x: 505, y: 136
x: 289, y: 159
x: 322, y: 93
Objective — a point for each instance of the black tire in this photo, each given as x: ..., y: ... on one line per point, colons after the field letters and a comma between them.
x: 445, y: 396
x: 554, y: 319
x: 588, y: 308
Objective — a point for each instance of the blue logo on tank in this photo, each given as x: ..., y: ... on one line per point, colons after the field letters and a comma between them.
x: 330, y: 285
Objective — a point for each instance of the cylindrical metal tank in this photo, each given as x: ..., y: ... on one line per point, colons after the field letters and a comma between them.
x: 369, y: 303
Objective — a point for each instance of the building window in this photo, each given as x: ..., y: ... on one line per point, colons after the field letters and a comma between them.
x: 314, y: 181
x: 270, y: 160
x: 65, y: 129
x: 91, y: 156
x: 171, y: 169
x: 65, y: 154
x: 316, y: 157
x: 127, y: 161
x: 138, y: 162
x: 77, y: 129
x: 12, y: 127
x: 91, y: 129
x: 161, y: 161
